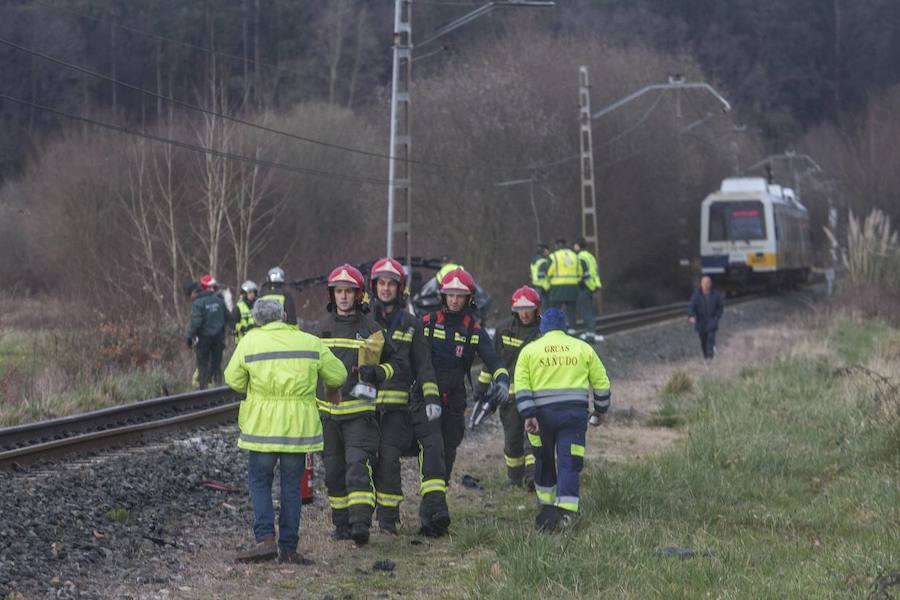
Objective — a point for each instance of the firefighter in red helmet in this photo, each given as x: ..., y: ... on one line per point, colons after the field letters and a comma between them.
x: 456, y: 337
x: 409, y: 408
x: 523, y: 327
x: 351, y: 427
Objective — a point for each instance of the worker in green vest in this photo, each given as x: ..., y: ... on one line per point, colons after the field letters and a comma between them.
x: 564, y: 276
x: 590, y: 283
x: 539, y: 265
x: 241, y: 316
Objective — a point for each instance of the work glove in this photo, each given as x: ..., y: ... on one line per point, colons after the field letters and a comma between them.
x: 190, y: 343
x: 499, y: 393
x: 371, y: 374
x: 433, y: 411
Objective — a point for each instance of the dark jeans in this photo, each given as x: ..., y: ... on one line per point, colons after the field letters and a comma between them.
x: 708, y: 343
x: 209, y: 359
x: 261, y: 467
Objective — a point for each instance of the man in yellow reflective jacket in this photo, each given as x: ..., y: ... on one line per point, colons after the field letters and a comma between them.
x: 278, y: 367
x: 590, y: 283
x: 555, y: 376
x: 564, y: 274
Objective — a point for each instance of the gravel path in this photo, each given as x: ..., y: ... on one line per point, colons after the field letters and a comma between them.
x: 130, y: 524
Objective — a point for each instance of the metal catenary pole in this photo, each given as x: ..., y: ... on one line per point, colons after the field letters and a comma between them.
x: 399, y: 200
x: 588, y: 194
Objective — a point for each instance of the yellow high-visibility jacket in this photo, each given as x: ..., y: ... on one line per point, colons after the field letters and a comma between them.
x: 278, y: 367
x: 590, y: 276
x: 559, y: 370
x: 565, y: 268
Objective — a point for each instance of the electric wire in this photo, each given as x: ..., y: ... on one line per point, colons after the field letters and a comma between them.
x: 196, y: 148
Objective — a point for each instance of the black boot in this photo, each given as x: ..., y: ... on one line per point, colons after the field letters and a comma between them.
x: 359, y: 533
x: 388, y: 518
x: 340, y: 520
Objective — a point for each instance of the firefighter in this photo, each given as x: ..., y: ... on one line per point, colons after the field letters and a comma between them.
x: 456, y: 337
x: 523, y: 327
x: 589, y: 284
x: 409, y: 410
x: 351, y: 427
x: 242, y: 315
x: 278, y: 367
x: 555, y: 377
x: 539, y: 265
x: 564, y: 274
x: 207, y: 330
x: 275, y: 287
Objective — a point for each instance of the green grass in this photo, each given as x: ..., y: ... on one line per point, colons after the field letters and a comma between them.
x: 792, y: 484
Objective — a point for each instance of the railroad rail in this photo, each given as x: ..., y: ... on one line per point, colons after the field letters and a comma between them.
x: 130, y: 423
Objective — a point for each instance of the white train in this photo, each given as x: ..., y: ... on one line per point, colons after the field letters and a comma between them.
x: 754, y: 232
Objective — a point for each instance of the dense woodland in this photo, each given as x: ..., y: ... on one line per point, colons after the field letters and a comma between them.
x: 93, y: 211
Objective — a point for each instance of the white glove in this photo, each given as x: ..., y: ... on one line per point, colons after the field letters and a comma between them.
x: 433, y: 411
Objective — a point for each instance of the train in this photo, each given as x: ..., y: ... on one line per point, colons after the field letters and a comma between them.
x: 754, y: 233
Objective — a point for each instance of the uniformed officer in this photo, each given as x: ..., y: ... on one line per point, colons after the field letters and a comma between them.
x: 447, y: 265
x: 555, y: 377
x: 589, y: 284
x: 242, y: 315
x: 564, y: 274
x: 409, y: 409
x: 523, y: 327
x: 351, y: 427
x: 540, y: 263
x: 275, y: 287
x: 456, y: 336
x: 207, y: 330
x: 277, y: 366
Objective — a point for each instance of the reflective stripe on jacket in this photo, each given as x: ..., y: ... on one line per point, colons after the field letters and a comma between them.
x: 565, y: 268
x: 590, y: 276
x: 559, y: 370
x: 278, y: 367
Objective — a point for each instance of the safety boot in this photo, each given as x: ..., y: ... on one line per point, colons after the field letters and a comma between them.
x: 440, y: 521
x: 264, y: 549
x: 388, y: 518
x: 359, y: 533
x: 547, y: 519
x: 341, y: 533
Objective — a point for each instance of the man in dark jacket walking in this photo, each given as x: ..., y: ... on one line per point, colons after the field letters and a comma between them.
x: 704, y: 311
x: 207, y: 331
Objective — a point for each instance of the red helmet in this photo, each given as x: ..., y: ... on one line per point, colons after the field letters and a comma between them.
x: 391, y: 269
x: 458, y: 281
x: 526, y: 298
x: 347, y: 276
x: 207, y: 281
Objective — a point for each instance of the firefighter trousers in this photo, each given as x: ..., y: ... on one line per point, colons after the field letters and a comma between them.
x: 559, y: 455
x: 516, y: 449
x: 428, y: 443
x: 396, y: 438
x: 452, y: 386
x: 350, y: 449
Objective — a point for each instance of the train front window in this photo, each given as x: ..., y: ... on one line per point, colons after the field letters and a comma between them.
x: 736, y: 221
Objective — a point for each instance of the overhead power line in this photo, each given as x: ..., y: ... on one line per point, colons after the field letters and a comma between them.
x: 245, y: 122
x: 195, y: 148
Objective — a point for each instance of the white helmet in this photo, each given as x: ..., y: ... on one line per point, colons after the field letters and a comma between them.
x: 249, y: 286
x: 275, y: 275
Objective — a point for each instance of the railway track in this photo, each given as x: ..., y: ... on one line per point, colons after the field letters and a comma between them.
x: 130, y: 423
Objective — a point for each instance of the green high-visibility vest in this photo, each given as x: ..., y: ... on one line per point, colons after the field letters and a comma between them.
x: 565, y: 269
x: 590, y: 277
x: 278, y: 367
x: 245, y: 322
x: 539, y: 273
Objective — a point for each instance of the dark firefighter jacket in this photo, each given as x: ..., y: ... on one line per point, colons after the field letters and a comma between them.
x: 455, y: 340
x: 278, y: 291
x: 508, y: 342
x: 408, y: 337
x: 344, y: 336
